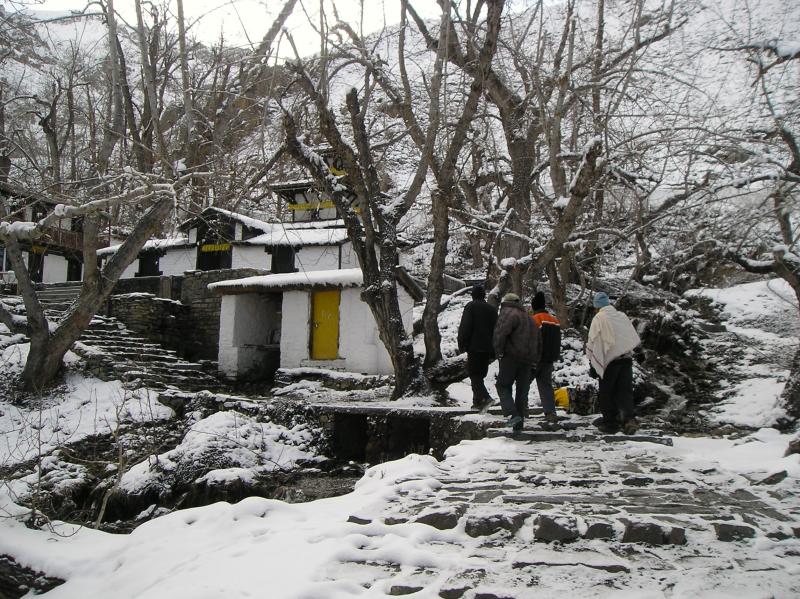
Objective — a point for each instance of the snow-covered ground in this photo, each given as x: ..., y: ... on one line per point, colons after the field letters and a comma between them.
x: 762, y: 321
x: 260, y: 547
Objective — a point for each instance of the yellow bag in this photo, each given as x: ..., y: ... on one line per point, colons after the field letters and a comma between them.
x: 562, y: 398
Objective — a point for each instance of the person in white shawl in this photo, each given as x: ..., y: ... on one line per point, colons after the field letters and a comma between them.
x: 612, y: 338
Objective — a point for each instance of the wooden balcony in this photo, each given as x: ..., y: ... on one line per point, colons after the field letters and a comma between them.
x: 71, y: 240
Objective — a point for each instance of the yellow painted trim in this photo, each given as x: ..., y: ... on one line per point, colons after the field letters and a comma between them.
x: 311, y: 205
x: 215, y: 247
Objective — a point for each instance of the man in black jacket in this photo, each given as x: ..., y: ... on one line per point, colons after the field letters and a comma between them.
x: 518, y: 346
x: 550, y: 329
x: 475, y: 337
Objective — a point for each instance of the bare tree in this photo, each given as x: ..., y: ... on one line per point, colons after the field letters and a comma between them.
x: 50, y: 341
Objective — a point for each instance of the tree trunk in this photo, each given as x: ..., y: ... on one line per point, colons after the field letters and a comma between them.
x: 790, y: 398
x: 48, y: 347
x: 430, y: 315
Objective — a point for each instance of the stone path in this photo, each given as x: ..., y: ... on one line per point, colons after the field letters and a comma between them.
x: 539, y: 515
x: 139, y: 362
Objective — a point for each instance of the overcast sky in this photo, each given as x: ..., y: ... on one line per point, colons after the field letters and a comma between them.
x: 243, y: 20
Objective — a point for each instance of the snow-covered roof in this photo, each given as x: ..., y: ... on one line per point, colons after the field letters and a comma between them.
x: 294, y: 184
x: 280, y: 235
x: 347, y: 277
x: 151, y: 244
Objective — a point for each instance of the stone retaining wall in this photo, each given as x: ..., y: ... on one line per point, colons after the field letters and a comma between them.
x: 189, y: 326
x: 159, y: 320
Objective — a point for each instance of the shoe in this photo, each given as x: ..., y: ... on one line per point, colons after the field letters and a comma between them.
x: 631, y: 426
x: 603, y: 427
x: 483, y: 406
x: 515, y: 422
x: 551, y: 418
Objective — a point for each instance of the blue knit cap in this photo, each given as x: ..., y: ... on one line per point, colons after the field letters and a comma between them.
x: 601, y: 300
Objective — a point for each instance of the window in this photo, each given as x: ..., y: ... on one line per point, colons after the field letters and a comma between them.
x: 148, y: 265
x: 283, y: 259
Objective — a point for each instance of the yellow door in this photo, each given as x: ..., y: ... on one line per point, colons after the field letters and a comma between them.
x: 325, y: 325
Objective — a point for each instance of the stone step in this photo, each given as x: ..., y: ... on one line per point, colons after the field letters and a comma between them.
x: 115, y: 339
x: 579, y: 436
x: 153, y: 353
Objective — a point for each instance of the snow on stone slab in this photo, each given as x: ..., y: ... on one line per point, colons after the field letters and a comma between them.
x: 759, y: 453
x: 754, y: 402
x: 262, y: 547
x: 84, y: 406
x: 231, y: 439
x: 347, y: 277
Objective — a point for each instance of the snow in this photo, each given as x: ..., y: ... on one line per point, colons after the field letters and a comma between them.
x: 87, y: 406
x: 150, y: 244
x: 348, y: 277
x: 279, y: 235
x: 248, y: 447
x: 763, y: 317
x: 312, y: 549
x: 760, y: 453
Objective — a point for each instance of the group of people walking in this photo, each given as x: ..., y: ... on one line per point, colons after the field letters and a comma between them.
x: 528, y: 343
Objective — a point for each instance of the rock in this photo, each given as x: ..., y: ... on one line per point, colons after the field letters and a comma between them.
x: 794, y: 447
x: 727, y: 532
x: 358, y: 520
x: 653, y: 534
x: 484, y: 526
x: 773, y: 479
x: 453, y: 593
x: 443, y: 519
x: 638, y: 481
x: 676, y: 536
x: 398, y: 590
x: 555, y: 528
x: 599, y: 530
x: 16, y: 580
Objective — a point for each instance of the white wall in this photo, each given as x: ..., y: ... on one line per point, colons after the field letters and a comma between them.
x: 360, y: 347
x: 177, y: 260
x: 55, y: 269
x: 245, y: 324
x: 316, y: 257
x: 130, y: 270
x: 294, y: 332
x: 251, y: 256
x: 349, y: 258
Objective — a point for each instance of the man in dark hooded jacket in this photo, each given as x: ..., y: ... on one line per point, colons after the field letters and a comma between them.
x: 475, y: 337
x: 518, y: 346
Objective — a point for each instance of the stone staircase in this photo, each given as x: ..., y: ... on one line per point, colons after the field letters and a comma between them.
x: 113, y: 351
x: 601, y: 514
x: 58, y: 296
x: 137, y: 361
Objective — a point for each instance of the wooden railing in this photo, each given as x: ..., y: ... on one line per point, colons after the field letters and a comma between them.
x: 71, y: 240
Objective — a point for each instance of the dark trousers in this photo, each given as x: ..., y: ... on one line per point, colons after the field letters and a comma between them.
x: 616, y: 391
x: 544, y: 383
x: 513, y: 372
x: 477, y: 368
